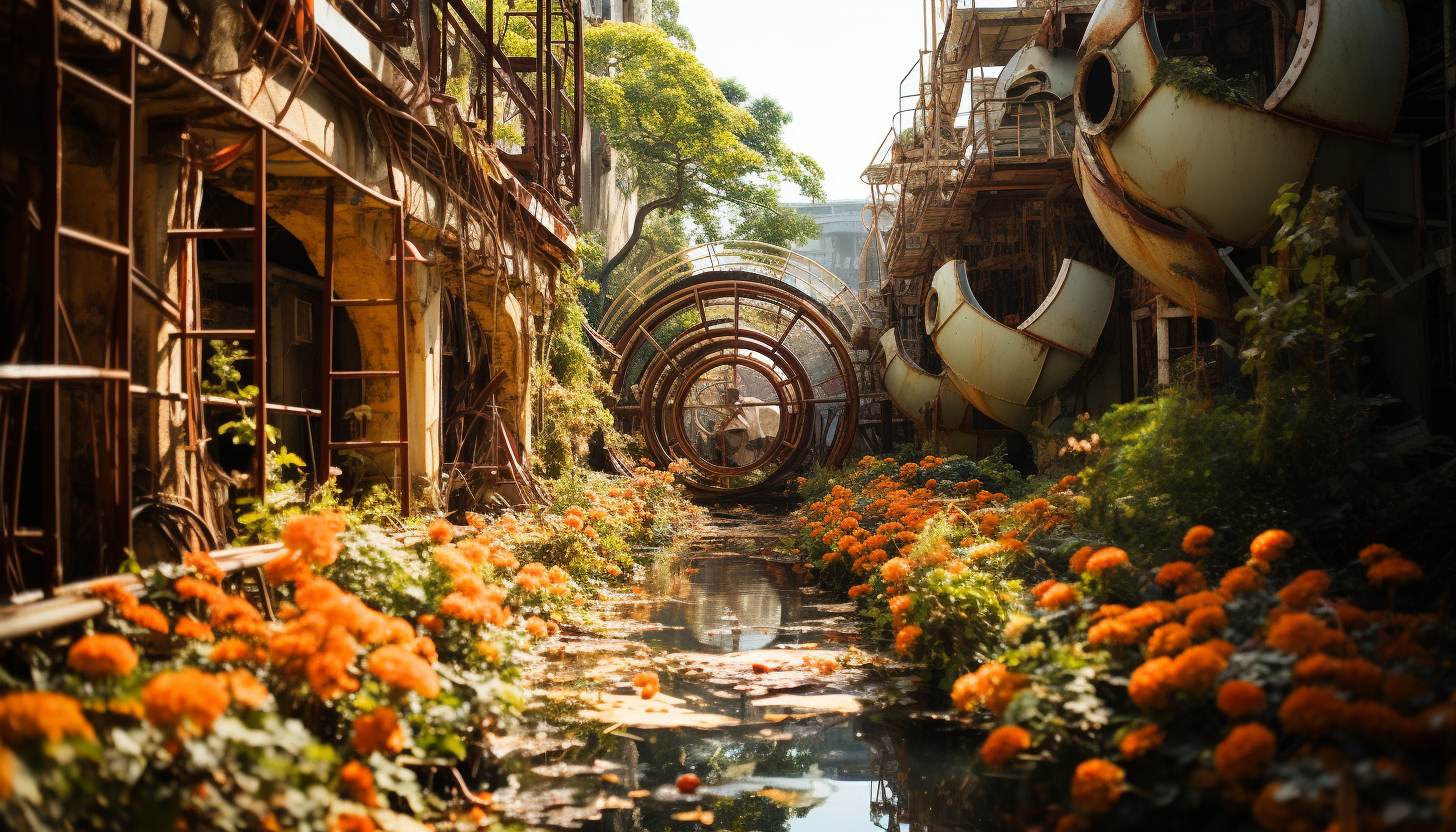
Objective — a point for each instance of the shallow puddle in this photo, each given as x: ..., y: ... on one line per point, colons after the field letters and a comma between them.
x: 764, y: 696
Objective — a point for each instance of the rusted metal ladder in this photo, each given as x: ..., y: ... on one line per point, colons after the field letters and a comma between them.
x: 258, y: 333
x: 113, y: 373
x: 400, y: 445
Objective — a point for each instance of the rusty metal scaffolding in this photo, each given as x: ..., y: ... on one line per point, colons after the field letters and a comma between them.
x: 541, y: 91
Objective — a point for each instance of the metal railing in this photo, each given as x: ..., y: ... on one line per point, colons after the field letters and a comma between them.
x: 742, y: 256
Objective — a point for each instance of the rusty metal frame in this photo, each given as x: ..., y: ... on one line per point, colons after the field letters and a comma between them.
x: 675, y: 364
x: 328, y: 375
x: 113, y: 450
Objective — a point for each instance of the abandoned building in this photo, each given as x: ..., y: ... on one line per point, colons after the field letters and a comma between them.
x: 843, y: 241
x: 1062, y: 222
x: 352, y: 218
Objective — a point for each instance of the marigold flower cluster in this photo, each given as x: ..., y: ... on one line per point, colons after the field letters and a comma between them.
x: 127, y: 605
x: 1141, y: 741
x: 186, y: 700
x: 1243, y: 754
x: 1097, y: 785
x: 323, y: 641
x: 1004, y: 743
x: 471, y: 599
x: 102, y: 655
x: 310, y: 541
x: 379, y: 730
x: 34, y: 715
x: 991, y: 686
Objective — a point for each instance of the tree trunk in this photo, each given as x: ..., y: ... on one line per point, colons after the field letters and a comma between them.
x: 637, y: 223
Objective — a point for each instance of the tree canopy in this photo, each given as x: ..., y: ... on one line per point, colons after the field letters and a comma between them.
x: 664, y: 14
x: 694, y: 144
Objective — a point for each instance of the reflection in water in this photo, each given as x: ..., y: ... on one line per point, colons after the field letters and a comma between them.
x: 725, y: 604
x: 734, y: 606
x: 889, y: 770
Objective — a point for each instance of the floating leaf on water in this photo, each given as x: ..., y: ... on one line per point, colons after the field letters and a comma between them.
x: 839, y: 703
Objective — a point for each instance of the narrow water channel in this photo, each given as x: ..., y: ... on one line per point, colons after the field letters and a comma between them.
x: 765, y: 696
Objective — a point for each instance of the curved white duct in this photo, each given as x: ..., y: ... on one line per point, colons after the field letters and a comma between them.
x: 1329, y: 82
x: 1003, y: 371
x: 910, y: 388
x: 1183, y: 264
x: 1059, y: 70
x: 1215, y: 167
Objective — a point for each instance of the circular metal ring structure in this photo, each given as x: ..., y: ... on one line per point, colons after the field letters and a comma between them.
x: 738, y: 369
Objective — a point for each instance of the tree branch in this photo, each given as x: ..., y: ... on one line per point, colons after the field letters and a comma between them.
x: 642, y: 214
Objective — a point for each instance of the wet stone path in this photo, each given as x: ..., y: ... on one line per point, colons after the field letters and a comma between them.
x: 765, y: 697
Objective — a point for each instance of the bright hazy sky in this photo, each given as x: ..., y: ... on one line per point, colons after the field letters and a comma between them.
x: 835, y: 65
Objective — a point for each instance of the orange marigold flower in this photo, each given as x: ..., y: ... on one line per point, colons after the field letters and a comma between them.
x: 359, y: 782
x: 1271, y: 545
x: 849, y: 524
x: 33, y: 714
x: 896, y: 569
x: 1096, y: 786
x: 1063, y: 485
x: 860, y: 589
x: 202, y: 563
x: 1196, y: 541
x: 1351, y: 617
x: 236, y: 614
x: 1107, y: 611
x: 440, y: 531
x: 1221, y: 647
x: 350, y: 822
x: 901, y: 604
x: 189, y: 627
x: 847, y: 541
x: 1205, y: 620
x: 1302, y: 592
x: 1197, y: 668
x: 1374, y: 722
x: 399, y: 667
x: 905, y: 639
x: 1172, y: 574
x: 245, y: 688
x: 1298, y: 632
x: 288, y: 567
x: 1105, y: 559
x: 1243, y: 754
x: 1140, y: 741
x: 536, y: 627
x: 230, y: 650
x: 192, y: 589
x: 378, y: 730
x: 314, y: 537
x: 1311, y: 711
x: 991, y: 686
x: 1169, y: 640
x: 185, y: 699
x: 1394, y: 571
x: 1004, y: 743
x: 1238, y: 698
x: 147, y: 617
x: 1188, y: 603
x: 1377, y: 552
x: 1078, y: 564
x: 1058, y: 596
x: 102, y: 655
x: 1239, y: 580
x: 1149, y: 686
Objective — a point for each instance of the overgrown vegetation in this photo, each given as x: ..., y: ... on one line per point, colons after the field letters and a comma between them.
x: 694, y: 145
x: 1200, y: 627
x: 189, y: 708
